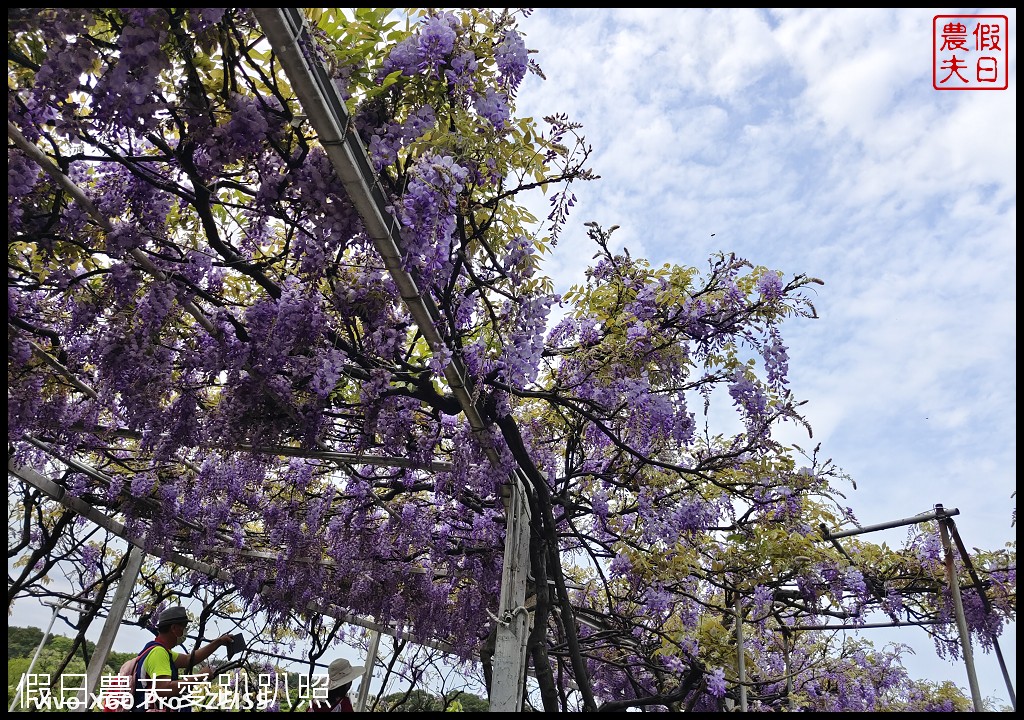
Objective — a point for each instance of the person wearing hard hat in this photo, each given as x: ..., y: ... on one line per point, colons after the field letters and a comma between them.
x: 158, y: 676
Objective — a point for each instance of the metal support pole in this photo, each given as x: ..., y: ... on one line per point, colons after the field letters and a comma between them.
x: 965, y: 556
x: 57, y: 607
x: 364, y: 684
x: 741, y: 668
x: 958, y: 605
x: 110, y: 627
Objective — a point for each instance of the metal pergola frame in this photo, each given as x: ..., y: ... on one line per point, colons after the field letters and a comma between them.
x: 947, y: 529
x: 122, y: 595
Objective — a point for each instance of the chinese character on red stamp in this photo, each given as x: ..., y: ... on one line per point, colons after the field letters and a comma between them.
x: 970, y: 52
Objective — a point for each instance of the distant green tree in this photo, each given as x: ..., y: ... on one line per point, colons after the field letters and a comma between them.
x: 413, y: 700
x: 47, y: 666
x: 22, y: 642
x: 116, y: 659
x: 423, y: 701
x: 16, y: 667
x: 22, y: 646
x: 465, y: 702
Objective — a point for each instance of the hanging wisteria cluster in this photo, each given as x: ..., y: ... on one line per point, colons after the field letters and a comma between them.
x: 196, y: 311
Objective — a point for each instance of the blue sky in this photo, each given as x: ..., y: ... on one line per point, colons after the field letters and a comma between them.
x: 812, y: 141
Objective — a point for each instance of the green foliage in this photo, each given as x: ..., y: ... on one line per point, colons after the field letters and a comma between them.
x: 47, y: 664
x: 356, y: 38
x: 417, y: 700
x: 414, y: 700
x: 25, y: 642
x: 16, y: 668
x: 22, y: 642
x: 466, y: 702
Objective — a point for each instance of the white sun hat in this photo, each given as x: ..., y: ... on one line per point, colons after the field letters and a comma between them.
x: 341, y: 671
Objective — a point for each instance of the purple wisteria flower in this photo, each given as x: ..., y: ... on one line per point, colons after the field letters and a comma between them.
x: 770, y: 286
x: 511, y: 58
x: 493, y: 106
x: 463, y: 69
x: 22, y: 174
x: 716, y: 682
x: 437, y: 40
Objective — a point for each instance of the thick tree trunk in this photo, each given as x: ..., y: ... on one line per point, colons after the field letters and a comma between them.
x: 538, y: 635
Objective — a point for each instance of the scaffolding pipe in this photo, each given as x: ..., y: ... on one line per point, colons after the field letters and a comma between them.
x: 513, y: 621
x: 987, y: 604
x: 958, y: 605
x: 866, y: 626
x: 923, y: 517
